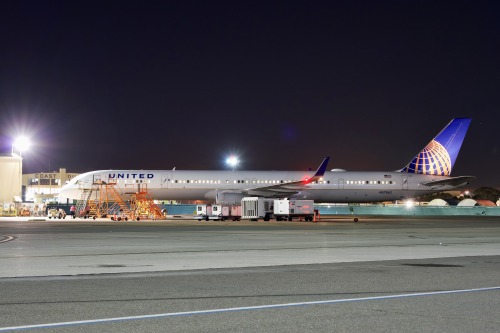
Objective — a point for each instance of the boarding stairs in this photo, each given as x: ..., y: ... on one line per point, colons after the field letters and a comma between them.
x: 115, y: 204
x: 82, y: 205
x: 144, y: 206
x: 109, y: 203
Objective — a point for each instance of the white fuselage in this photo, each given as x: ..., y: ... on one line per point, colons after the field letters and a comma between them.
x: 231, y: 186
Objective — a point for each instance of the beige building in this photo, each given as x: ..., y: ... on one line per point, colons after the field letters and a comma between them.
x: 11, y: 166
x: 36, y: 187
x: 41, y: 186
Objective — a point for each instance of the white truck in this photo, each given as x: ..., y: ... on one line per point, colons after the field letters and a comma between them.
x: 218, y: 212
x: 288, y: 209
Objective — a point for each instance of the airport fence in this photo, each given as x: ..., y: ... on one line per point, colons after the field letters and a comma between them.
x: 402, y: 210
x: 369, y: 210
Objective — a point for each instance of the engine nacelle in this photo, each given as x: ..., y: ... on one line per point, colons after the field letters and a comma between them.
x: 229, y: 198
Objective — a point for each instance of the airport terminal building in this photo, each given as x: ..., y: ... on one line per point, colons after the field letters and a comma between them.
x: 42, y: 186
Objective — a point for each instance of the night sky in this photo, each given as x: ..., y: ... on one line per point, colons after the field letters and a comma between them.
x: 163, y: 84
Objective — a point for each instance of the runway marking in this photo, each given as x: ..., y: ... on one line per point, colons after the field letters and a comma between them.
x: 7, y: 238
x: 245, y: 308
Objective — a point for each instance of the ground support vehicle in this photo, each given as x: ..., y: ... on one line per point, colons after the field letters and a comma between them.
x: 203, y: 212
x: 56, y: 213
x: 24, y: 212
x: 227, y: 212
x: 255, y: 208
x: 218, y: 212
x: 11, y: 211
x: 289, y: 209
x: 234, y: 212
x: 119, y: 215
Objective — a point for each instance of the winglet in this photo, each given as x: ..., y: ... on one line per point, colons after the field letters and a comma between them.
x: 320, y: 172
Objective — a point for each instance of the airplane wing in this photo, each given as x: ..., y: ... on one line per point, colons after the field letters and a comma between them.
x: 453, y: 181
x: 287, y: 189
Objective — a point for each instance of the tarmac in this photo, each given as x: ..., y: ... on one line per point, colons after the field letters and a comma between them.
x: 380, y: 274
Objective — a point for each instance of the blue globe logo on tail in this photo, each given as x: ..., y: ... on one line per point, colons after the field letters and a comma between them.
x: 438, y: 157
x: 432, y: 160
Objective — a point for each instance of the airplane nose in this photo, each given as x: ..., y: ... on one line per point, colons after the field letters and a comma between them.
x: 65, y: 192
x: 61, y: 192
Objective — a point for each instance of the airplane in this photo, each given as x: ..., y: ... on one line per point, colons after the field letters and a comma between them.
x: 428, y: 172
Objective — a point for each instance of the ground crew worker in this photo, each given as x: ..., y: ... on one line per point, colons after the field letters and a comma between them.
x: 72, y: 211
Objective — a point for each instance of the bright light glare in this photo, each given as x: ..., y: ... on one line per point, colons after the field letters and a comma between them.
x: 409, y: 204
x: 22, y: 143
x: 232, y: 161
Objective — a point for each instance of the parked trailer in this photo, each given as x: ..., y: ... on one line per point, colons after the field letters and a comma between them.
x: 203, y: 212
x: 235, y: 212
x: 218, y: 212
x: 288, y: 209
x: 227, y: 212
x: 255, y: 208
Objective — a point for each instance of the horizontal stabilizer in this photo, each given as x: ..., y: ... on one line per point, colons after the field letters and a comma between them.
x: 451, y: 181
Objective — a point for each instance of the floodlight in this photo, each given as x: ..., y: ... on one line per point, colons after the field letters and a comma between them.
x: 232, y: 161
x: 22, y: 144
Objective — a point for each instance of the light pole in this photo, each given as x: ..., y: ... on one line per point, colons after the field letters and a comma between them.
x: 21, y: 144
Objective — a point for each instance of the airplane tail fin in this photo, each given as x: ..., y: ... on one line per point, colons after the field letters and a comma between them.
x: 438, y: 157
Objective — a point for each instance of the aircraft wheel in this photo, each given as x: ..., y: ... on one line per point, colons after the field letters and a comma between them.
x: 356, y: 220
